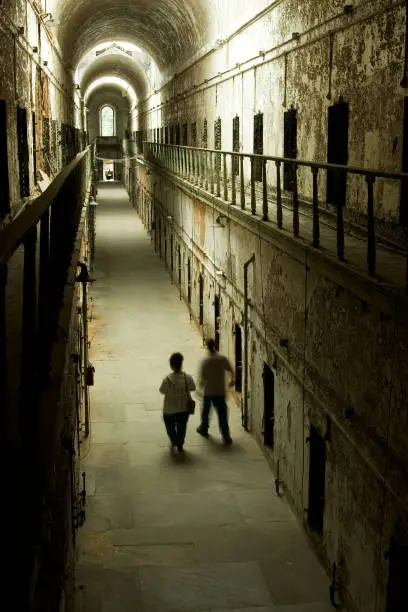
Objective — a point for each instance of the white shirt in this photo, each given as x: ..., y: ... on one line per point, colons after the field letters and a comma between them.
x: 174, y: 390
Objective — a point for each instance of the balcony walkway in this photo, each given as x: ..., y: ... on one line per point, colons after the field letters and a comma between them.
x: 166, y: 532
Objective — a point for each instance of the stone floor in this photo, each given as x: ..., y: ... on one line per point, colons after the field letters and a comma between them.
x: 204, y: 531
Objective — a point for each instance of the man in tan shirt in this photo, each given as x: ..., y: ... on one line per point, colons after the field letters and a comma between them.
x: 212, y: 381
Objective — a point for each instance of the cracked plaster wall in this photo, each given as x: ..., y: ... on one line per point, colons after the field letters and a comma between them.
x: 21, y: 71
x: 368, y: 55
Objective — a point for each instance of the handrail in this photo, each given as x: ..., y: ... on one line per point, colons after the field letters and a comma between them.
x: 291, y: 160
x: 246, y: 180
x: 12, y: 236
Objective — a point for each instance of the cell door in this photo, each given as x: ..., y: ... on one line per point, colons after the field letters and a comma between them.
x: 269, y: 406
x: 289, y: 147
x: 171, y: 253
x: 403, y: 212
x: 258, y: 145
x: 23, y: 159
x: 160, y: 236
x: 238, y: 359
x: 337, y: 152
x: 217, y: 143
x: 4, y: 177
x: 235, y: 144
x: 317, y: 481
x: 179, y: 264
x: 35, y: 149
x: 397, y: 576
x: 217, y: 322
x: 165, y: 246
x: 189, y: 281
x: 201, y: 298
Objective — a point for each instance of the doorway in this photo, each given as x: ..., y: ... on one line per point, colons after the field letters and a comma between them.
x: 23, y: 155
x: 258, y: 145
x: 217, y: 322
x: 269, y: 406
x: 4, y: 170
x: 201, y: 298
x: 397, y: 575
x: 317, y: 481
x: 403, y: 211
x: 108, y: 173
x: 165, y: 246
x: 34, y: 149
x: 289, y: 147
x: 238, y: 358
x: 337, y: 152
x: 179, y: 264
x: 189, y: 281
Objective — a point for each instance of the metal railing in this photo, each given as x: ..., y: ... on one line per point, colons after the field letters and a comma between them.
x: 37, y: 289
x: 256, y: 183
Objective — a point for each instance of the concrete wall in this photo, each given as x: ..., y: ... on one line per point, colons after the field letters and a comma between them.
x: 32, y: 76
x: 339, y: 359
x: 282, y: 58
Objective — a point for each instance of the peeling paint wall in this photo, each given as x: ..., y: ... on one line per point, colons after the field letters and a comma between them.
x: 283, y: 59
x: 33, y: 77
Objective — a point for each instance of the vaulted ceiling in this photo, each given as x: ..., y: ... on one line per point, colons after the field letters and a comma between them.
x: 168, y: 30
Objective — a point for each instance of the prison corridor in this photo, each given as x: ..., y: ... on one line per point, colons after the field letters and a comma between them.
x: 168, y: 532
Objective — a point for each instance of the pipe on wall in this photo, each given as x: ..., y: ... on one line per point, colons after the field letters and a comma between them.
x: 246, y: 309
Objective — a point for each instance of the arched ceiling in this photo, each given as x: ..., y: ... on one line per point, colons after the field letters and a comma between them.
x: 168, y: 30
x: 120, y: 66
x: 108, y: 89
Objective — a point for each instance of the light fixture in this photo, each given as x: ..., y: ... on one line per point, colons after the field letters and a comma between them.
x: 169, y: 218
x: 221, y: 220
x: 20, y: 30
x: 35, y: 49
x: 45, y: 63
x: 77, y: 86
x: 49, y: 20
x: 348, y: 7
x: 219, y: 273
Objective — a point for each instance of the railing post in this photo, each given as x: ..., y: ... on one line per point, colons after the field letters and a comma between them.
x: 211, y: 173
x: 27, y: 412
x: 295, y: 200
x: 206, y: 155
x: 340, y: 230
x: 316, y: 224
x: 253, y: 195
x: 196, y: 169
x: 44, y: 267
x: 265, y: 215
x: 224, y: 155
x: 279, y: 212
x: 371, y: 254
x: 191, y: 152
x: 201, y: 167
x: 233, y: 186
x: 3, y: 356
x: 217, y: 175
x: 242, y: 182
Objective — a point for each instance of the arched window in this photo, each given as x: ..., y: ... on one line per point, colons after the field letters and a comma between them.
x: 107, y: 121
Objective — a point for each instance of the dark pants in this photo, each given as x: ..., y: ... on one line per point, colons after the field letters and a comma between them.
x: 176, y: 426
x: 221, y: 408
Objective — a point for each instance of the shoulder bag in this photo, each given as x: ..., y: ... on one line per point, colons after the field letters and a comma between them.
x: 190, y: 402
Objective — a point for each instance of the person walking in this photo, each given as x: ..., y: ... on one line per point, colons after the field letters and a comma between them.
x: 176, y: 388
x: 212, y: 380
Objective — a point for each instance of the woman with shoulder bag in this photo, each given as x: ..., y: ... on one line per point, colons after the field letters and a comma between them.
x: 178, y: 403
